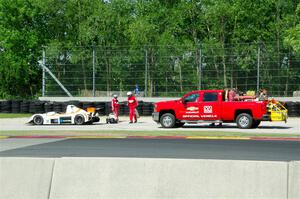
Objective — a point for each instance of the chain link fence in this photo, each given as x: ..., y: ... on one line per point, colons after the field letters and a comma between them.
x: 170, y: 71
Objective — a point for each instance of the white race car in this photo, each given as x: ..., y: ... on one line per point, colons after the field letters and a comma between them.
x: 73, y: 115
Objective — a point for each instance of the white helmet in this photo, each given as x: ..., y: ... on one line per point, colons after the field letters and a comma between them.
x: 115, y: 95
x: 129, y: 93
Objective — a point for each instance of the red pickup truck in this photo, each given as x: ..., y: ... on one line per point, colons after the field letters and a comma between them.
x: 211, y: 106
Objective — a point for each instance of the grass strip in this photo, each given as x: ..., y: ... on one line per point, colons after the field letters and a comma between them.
x: 15, y: 115
x: 145, y: 133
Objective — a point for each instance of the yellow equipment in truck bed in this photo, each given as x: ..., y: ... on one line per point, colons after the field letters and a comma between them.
x: 277, y: 111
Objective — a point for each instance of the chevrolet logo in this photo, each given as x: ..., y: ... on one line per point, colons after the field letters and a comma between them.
x: 192, y: 108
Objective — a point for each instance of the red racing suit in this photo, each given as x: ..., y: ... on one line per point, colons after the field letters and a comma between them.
x: 132, y: 104
x: 115, y: 107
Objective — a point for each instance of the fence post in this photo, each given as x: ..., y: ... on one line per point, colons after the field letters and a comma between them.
x: 200, y: 69
x: 94, y: 72
x: 258, y: 68
x: 146, y: 73
x: 44, y: 75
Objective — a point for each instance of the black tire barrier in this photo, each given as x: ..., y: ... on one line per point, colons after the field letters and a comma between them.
x: 147, y: 108
x: 124, y: 109
x: 298, y: 108
x: 32, y: 107
x: 85, y: 105
x: 6, y: 106
x: 293, y: 109
x: 24, y: 107
x: 15, y: 106
x: 64, y: 106
x: 48, y: 107
x: 139, y: 108
x: 101, y: 107
x: 144, y: 108
x: 36, y: 106
x: 58, y: 107
x: 108, y: 108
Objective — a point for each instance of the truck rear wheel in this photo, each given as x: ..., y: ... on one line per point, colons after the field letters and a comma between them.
x: 244, y: 121
x: 167, y: 120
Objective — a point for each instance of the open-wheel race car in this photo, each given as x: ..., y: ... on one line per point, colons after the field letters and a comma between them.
x: 73, y: 115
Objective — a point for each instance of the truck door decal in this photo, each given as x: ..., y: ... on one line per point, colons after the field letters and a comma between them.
x: 207, y: 109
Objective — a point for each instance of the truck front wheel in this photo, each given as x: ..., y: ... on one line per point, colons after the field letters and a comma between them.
x: 167, y: 120
x: 244, y: 121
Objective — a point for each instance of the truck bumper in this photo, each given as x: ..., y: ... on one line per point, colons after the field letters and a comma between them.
x: 155, y: 116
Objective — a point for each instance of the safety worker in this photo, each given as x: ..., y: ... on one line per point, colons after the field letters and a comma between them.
x: 115, y: 106
x: 263, y: 95
x: 132, y: 104
x: 232, y: 95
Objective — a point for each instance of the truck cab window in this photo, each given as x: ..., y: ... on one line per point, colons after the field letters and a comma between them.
x: 210, y: 97
x: 191, y: 98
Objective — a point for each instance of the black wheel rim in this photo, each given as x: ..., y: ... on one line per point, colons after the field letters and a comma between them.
x: 38, y: 120
x: 79, y: 120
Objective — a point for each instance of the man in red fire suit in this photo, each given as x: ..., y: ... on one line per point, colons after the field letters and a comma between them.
x: 132, y: 104
x: 115, y: 107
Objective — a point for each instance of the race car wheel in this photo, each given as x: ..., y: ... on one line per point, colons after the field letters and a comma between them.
x: 244, y: 121
x: 167, y: 120
x: 38, y: 120
x: 79, y: 119
x: 255, y: 123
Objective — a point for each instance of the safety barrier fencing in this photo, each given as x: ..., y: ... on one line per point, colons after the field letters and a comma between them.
x: 144, y: 108
x: 55, y: 178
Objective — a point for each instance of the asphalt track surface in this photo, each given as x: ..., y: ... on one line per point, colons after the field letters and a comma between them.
x: 153, y: 148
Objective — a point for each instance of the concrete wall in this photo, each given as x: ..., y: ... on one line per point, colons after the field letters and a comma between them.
x: 146, y: 178
x: 294, y: 180
x: 167, y: 178
x: 26, y: 178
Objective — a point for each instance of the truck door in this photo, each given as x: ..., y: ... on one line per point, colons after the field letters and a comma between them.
x: 190, y: 107
x: 210, y: 106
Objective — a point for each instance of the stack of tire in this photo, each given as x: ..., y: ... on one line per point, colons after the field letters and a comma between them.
x: 6, y: 106
x: 48, y: 106
x: 108, y: 108
x: 101, y: 106
x: 139, y: 108
x: 293, y: 109
x: 36, y: 106
x: 147, y: 108
x: 15, y: 106
x: 24, y: 106
x: 58, y: 107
